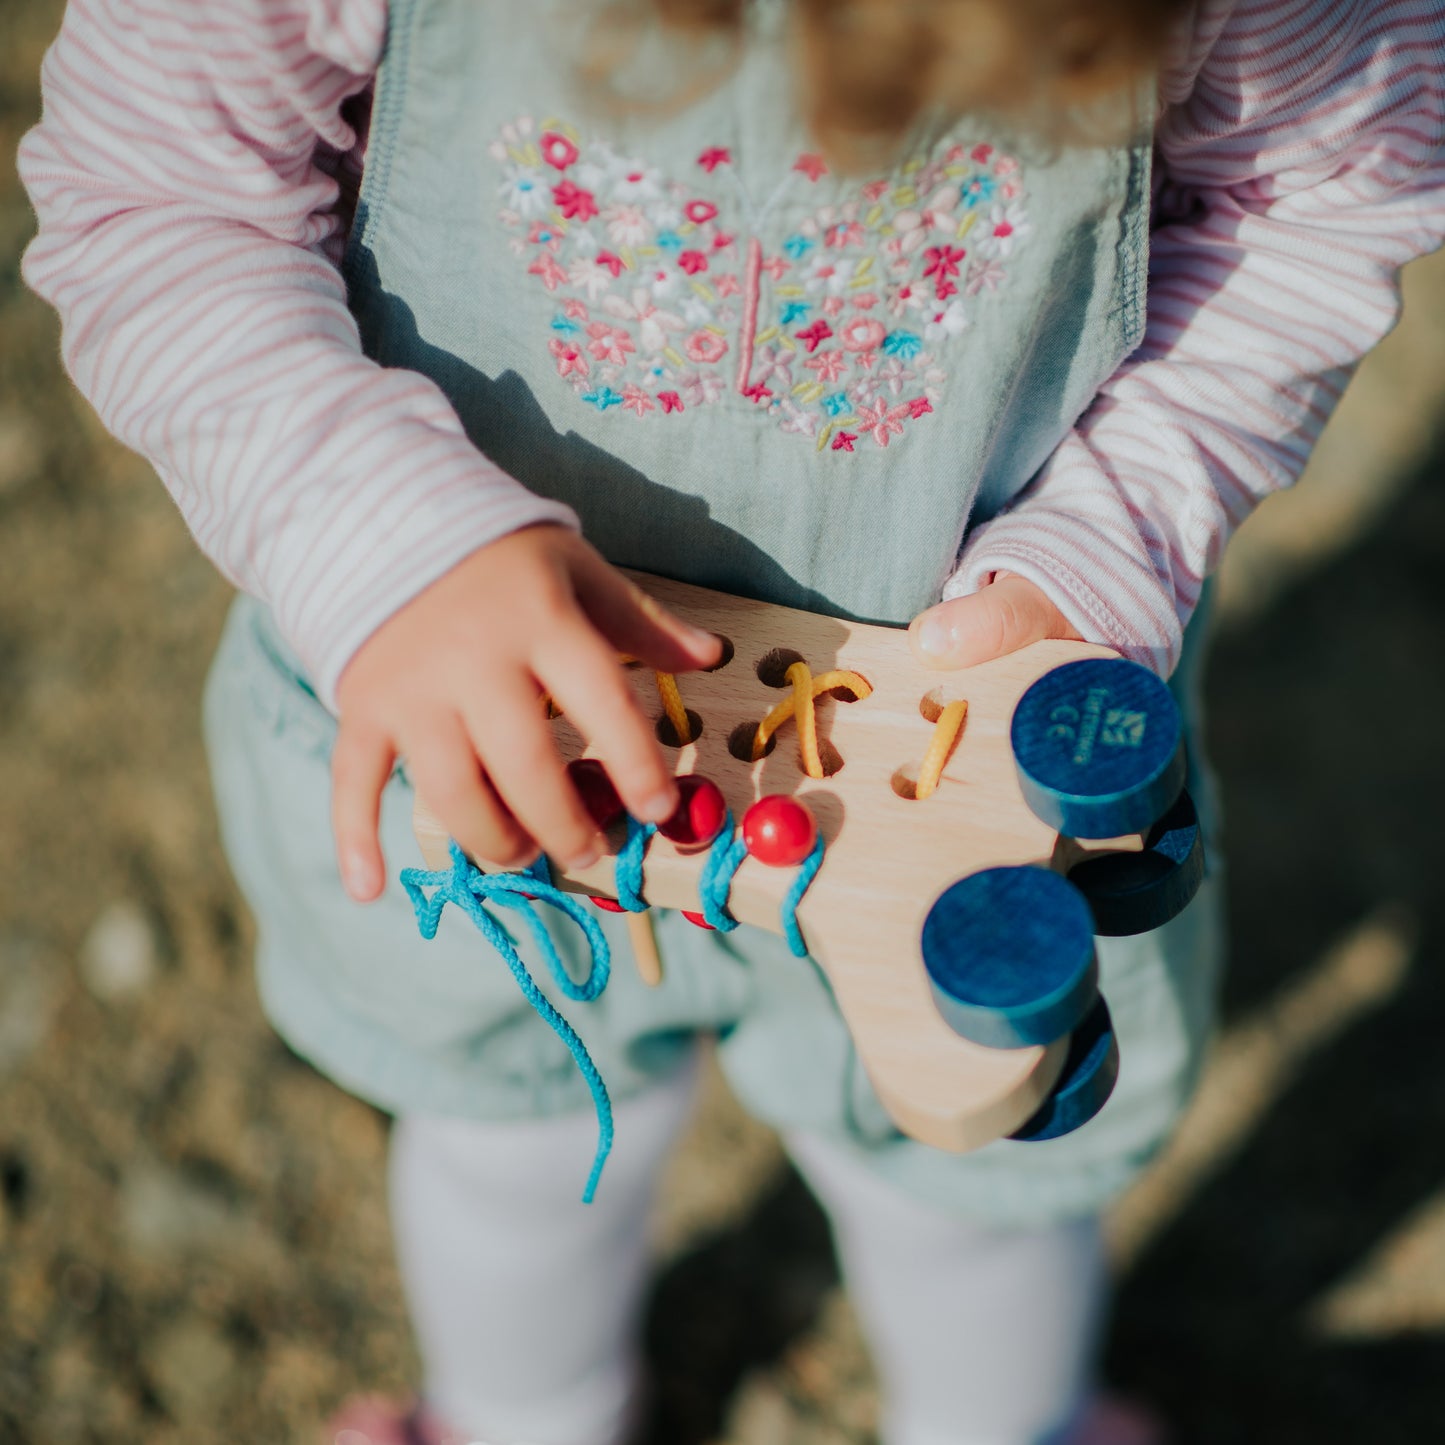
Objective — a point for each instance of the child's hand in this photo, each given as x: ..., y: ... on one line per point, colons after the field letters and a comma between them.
x: 452, y: 683
x: 1007, y: 614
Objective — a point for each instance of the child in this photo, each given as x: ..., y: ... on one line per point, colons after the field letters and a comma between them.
x: 806, y: 327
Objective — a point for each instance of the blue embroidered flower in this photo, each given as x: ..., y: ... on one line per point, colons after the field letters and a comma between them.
x: 795, y: 311
x: 902, y: 344
x: 797, y: 247
x: 565, y: 325
x: 669, y: 240
x: 602, y: 398
x: 837, y: 404
x: 979, y: 191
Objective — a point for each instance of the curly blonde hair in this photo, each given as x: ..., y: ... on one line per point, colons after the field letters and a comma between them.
x: 870, y: 70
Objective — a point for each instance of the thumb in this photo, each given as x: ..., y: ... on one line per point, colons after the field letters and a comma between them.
x: 639, y: 625
x: 1007, y: 614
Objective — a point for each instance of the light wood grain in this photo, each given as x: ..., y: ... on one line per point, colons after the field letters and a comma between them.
x: 888, y: 856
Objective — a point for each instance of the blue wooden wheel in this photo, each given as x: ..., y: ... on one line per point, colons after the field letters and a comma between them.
x: 1010, y: 957
x: 1099, y: 748
x: 1090, y: 1073
x: 1134, y: 892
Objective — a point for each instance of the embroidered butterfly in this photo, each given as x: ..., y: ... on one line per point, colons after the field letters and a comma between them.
x: 667, y: 297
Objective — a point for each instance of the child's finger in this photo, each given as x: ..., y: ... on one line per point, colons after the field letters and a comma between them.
x: 588, y: 685
x: 1008, y: 614
x: 442, y: 762
x: 361, y: 762
x: 510, y: 733
x: 637, y: 624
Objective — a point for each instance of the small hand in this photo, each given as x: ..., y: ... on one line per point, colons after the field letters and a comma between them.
x: 453, y: 682
x: 1008, y: 613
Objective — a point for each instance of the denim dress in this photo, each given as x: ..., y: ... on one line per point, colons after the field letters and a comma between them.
x: 742, y: 369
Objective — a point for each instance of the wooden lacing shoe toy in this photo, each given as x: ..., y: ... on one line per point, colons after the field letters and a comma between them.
x: 951, y: 902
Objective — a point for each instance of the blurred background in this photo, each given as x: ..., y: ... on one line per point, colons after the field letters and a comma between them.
x: 193, y: 1242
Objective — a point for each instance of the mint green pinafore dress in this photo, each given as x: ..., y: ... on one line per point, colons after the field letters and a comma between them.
x: 743, y: 370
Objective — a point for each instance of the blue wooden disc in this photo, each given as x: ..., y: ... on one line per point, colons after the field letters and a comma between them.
x: 1134, y: 892
x: 1090, y: 1073
x: 1010, y: 957
x: 1099, y: 748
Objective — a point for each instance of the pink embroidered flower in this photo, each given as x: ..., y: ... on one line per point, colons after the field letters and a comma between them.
x: 557, y: 150
x: 815, y: 335
x: 904, y: 300
x: 829, y: 365
x: 699, y: 212
x: 713, y: 157
x: 850, y: 233
x: 865, y: 360
x: 983, y: 276
x: 862, y: 333
x: 574, y: 203
x: 843, y: 441
x: 865, y: 300
x: 774, y: 364
x: 942, y: 261
x: 574, y: 309
x: 1005, y: 166
x: 626, y: 226
x: 883, y: 421
x: 776, y: 267
x: 722, y: 241
x: 812, y: 166
x: 614, y: 263
x: 692, y: 262
x: 919, y: 406
x: 706, y: 346
x: 1010, y: 190
x: 701, y: 387
x: 634, y: 399
x: 876, y: 190
x: 545, y: 234
x: 569, y: 358
x: 547, y: 268
x: 894, y: 375
x: 757, y: 392
x: 671, y: 401
x: 727, y: 284
x: 980, y: 154
x: 609, y: 343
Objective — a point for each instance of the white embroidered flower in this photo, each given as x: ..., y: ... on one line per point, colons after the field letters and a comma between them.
x: 626, y: 225
x: 584, y: 241
x: 525, y: 191
x: 798, y: 421
x: 654, y: 325
x: 829, y: 273
x: 589, y: 277
x: 696, y: 310
x: 662, y: 282
x: 665, y: 215
x: 945, y: 322
x: 1005, y: 225
x: 632, y: 183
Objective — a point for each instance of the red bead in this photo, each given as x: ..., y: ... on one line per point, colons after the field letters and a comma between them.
x: 608, y: 905
x: 697, y: 920
x: 779, y: 831
x: 701, y: 813
x: 595, y: 789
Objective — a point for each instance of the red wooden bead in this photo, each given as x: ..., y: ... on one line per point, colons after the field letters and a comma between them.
x: 595, y: 789
x: 608, y: 905
x: 697, y: 920
x: 701, y: 813
x: 779, y: 831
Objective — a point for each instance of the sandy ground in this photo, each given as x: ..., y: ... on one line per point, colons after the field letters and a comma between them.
x: 193, y: 1242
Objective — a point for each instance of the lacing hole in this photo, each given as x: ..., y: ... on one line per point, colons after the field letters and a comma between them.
x: 829, y: 756
x: 667, y: 734
x: 773, y: 668
x: 740, y: 742
x: 727, y: 654
x: 905, y: 782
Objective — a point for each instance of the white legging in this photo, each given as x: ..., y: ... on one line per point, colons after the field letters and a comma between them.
x: 525, y: 1302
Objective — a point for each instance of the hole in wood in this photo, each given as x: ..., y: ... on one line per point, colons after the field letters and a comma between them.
x: 829, y: 756
x: 727, y: 654
x: 844, y: 694
x: 905, y: 782
x: 740, y: 742
x: 932, y: 704
x: 773, y: 667
x: 667, y: 734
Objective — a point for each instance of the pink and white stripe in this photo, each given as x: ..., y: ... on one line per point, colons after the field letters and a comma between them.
x: 192, y: 174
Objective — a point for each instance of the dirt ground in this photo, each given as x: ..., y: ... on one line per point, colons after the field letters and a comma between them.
x: 193, y: 1242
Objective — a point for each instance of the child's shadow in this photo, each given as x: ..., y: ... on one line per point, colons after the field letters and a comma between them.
x: 734, y: 1301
